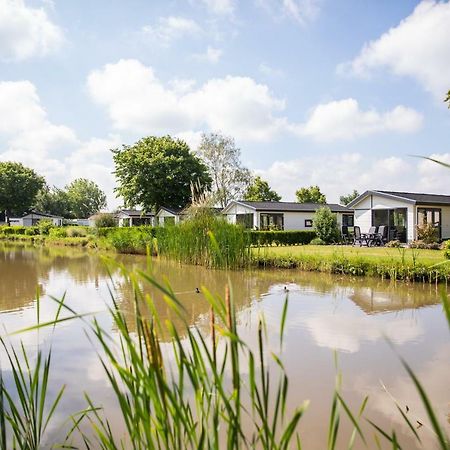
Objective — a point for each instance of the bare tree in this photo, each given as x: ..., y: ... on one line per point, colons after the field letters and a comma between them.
x: 223, y: 160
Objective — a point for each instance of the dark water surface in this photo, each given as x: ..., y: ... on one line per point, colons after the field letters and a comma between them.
x: 326, y: 313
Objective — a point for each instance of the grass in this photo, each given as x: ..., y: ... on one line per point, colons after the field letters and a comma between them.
x: 373, y: 254
x: 211, y: 390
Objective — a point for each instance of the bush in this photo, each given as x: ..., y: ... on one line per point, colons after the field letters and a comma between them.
x: 446, y: 247
x: 76, y: 232
x: 45, y: 226
x: 325, y: 224
x: 427, y: 233
x: 317, y: 241
x: 57, y: 232
x: 394, y: 244
x: 264, y: 238
x: 425, y: 245
x: 105, y: 221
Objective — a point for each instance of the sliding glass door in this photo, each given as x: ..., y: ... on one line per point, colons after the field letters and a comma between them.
x: 395, y: 219
x: 430, y: 216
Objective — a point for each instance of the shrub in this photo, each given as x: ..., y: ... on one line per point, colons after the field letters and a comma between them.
x: 45, y: 226
x: 425, y: 245
x: 317, y: 241
x: 264, y: 238
x: 57, y: 232
x: 446, y: 245
x: 105, y: 220
x: 394, y: 244
x: 325, y: 224
x: 76, y: 232
x: 427, y: 233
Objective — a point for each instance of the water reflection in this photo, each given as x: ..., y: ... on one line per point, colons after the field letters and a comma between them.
x: 325, y: 313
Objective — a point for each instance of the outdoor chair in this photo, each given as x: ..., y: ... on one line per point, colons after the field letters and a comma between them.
x: 370, y: 236
x: 381, y: 237
x: 358, y: 237
x: 347, y: 237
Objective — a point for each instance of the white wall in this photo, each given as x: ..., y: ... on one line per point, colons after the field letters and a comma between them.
x: 162, y: 214
x: 236, y: 208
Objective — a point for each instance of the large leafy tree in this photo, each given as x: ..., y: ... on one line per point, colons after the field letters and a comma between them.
x: 158, y: 171
x: 447, y: 98
x: 53, y: 200
x: 19, y: 186
x: 260, y: 191
x: 85, y: 198
x: 346, y: 199
x: 230, y: 179
x: 310, y: 194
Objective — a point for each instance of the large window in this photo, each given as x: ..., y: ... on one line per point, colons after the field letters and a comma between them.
x: 429, y: 216
x: 271, y: 221
x: 395, y: 219
x: 246, y: 220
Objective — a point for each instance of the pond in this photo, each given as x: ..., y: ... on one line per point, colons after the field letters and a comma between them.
x: 327, y: 314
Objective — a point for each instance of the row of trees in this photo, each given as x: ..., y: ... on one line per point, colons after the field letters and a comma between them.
x: 162, y: 171
x: 22, y: 189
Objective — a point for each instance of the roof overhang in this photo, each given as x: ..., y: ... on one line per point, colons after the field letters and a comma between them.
x: 379, y: 194
x: 235, y: 202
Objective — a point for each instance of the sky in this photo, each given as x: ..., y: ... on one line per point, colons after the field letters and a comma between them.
x: 342, y: 94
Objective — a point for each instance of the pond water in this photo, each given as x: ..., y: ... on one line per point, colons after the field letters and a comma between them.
x: 326, y: 314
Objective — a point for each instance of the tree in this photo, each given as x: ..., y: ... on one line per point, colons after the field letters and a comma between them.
x: 310, y: 194
x: 259, y: 191
x: 85, y: 198
x: 53, y: 200
x: 346, y: 199
x: 158, y: 171
x: 223, y: 160
x: 19, y: 186
x: 447, y: 99
x: 325, y: 224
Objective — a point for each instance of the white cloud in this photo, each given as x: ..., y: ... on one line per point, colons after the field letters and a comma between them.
x: 419, y: 47
x: 169, y: 29
x: 30, y: 137
x: 52, y: 150
x: 211, y: 55
x: 343, y: 119
x: 138, y: 101
x: 220, y: 7
x: 338, y: 174
x: 26, y: 32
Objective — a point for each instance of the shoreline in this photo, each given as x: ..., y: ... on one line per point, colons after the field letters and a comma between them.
x: 262, y: 258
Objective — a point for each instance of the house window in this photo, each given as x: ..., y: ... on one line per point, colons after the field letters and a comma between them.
x: 347, y: 220
x: 246, y: 220
x: 308, y: 223
x: 271, y: 221
x: 429, y: 216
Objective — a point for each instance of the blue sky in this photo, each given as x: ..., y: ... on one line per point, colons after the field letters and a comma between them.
x: 337, y: 94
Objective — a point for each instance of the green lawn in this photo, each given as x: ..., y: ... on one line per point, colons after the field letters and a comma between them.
x: 427, y: 257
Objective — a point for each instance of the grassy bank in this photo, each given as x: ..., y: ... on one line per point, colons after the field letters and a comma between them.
x: 214, y: 243
x: 390, y: 263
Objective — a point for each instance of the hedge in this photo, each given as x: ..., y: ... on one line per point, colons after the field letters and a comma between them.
x: 264, y: 238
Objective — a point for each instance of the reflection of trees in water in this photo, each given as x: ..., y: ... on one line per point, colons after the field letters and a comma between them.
x: 20, y: 276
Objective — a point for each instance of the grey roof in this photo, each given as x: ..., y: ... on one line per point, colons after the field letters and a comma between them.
x: 293, y: 206
x: 42, y: 214
x: 409, y: 197
x: 421, y: 198
x: 174, y: 211
x: 136, y: 213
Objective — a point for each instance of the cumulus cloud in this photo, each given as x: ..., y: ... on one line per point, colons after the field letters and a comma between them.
x: 53, y: 150
x: 343, y: 119
x: 26, y: 32
x: 338, y: 174
x: 136, y: 100
x: 417, y: 47
x: 168, y: 29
